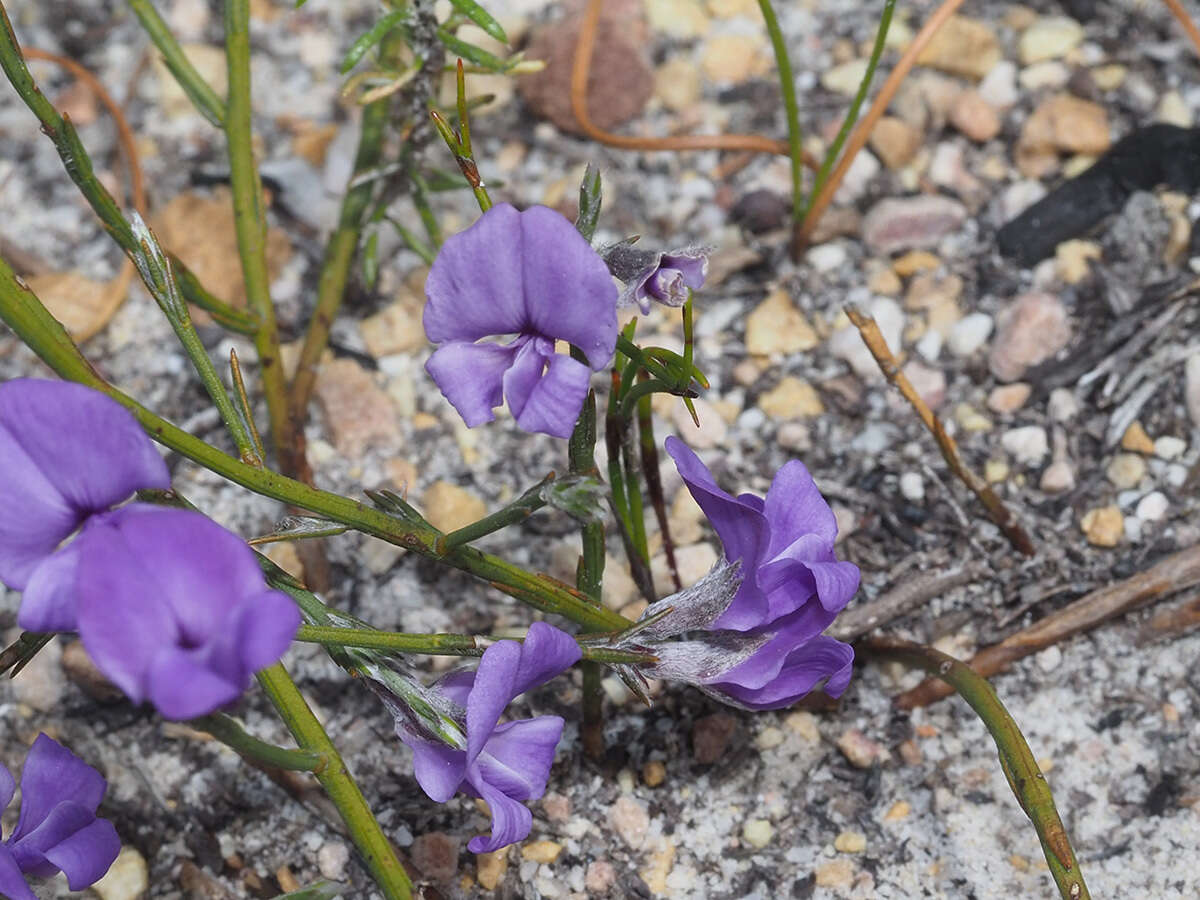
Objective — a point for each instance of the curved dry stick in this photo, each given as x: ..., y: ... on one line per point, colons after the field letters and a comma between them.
x: 125, y: 138
x: 1185, y: 20
x: 580, y: 73
x: 858, y: 138
x: 128, y: 145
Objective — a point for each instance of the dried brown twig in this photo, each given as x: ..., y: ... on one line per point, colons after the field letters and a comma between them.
x: 1175, y: 573
x: 907, y: 596
x: 1000, y: 513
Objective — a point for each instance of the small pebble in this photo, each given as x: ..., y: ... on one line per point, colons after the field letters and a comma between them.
x: 653, y: 773
x: 1136, y: 440
x: 127, y: 879
x: 850, y: 842
x: 900, y: 810
x: 1028, y: 445
x: 1058, y: 477
x: 436, y: 855
x: 837, y: 873
x: 1008, y: 398
x: 490, y: 868
x: 1062, y: 405
x: 1168, y: 447
x: 1033, y: 329
x: 1049, y: 659
x: 758, y: 833
x: 860, y: 750
x: 544, y: 852
x: 630, y: 820
x: 911, y: 222
x: 1152, y: 507
x: 912, y: 487
x: 969, y: 333
x: 1103, y: 526
x: 332, y: 859
x: 711, y: 736
x: 600, y: 876
x: 1126, y: 470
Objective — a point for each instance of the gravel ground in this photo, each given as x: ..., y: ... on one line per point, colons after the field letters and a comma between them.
x: 1088, y: 434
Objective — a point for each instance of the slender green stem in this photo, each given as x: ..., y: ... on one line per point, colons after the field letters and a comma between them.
x: 364, y: 829
x: 21, y: 310
x: 370, y: 639
x: 339, y: 254
x: 229, y: 732
x: 250, y: 224
x: 239, y: 384
x: 517, y: 511
x: 787, y: 85
x: 654, y: 487
x: 199, y: 91
x: 156, y: 272
x: 1021, y: 769
x: 835, y: 149
x: 79, y: 168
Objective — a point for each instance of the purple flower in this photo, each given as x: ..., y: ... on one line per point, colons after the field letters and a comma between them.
x: 173, y: 608
x: 763, y: 648
x: 502, y: 764
x: 530, y: 274
x: 784, y: 543
x: 57, y: 829
x: 66, y: 452
x: 662, y: 275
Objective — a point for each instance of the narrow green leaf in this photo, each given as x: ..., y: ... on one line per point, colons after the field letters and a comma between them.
x: 480, y: 17
x: 590, y: 198
x: 376, y: 34
x: 471, y: 53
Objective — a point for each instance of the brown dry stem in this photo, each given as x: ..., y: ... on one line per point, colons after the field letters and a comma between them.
x: 995, y: 507
x: 1175, y: 573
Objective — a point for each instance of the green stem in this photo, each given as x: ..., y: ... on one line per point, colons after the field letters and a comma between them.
x: 1024, y: 776
x: 364, y: 830
x: 79, y: 168
x: 885, y: 20
x: 21, y: 310
x: 339, y: 254
x: 787, y: 85
x: 230, y: 733
x: 517, y: 511
x: 370, y: 639
x: 199, y: 91
x: 249, y: 223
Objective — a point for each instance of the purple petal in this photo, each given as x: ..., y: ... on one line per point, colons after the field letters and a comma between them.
x: 89, y: 450
x: 546, y: 652
x: 806, y: 569
x: 795, y: 507
x: 511, y: 821
x: 63, y: 822
x: 265, y: 627
x: 86, y: 855
x: 12, y: 883
x: 165, y: 590
x: 518, y: 757
x: 553, y: 404
x: 795, y: 674
x: 36, y: 516
x: 495, y: 687
x: 52, y: 774
x: 457, y: 685
x: 569, y: 294
x: 182, y: 685
x: 50, y: 597
x: 475, y: 285
x: 738, y: 524
x: 471, y: 376
x: 692, y: 267
x: 438, y: 769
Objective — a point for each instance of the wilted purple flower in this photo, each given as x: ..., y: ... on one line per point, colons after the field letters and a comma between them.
x: 173, y: 608
x: 530, y: 274
x: 759, y: 644
x: 662, y: 275
x: 66, y: 452
x: 784, y: 543
x: 502, y: 764
x: 57, y: 829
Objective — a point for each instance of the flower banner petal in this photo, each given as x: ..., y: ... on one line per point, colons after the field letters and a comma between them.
x: 569, y: 294
x: 475, y: 285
